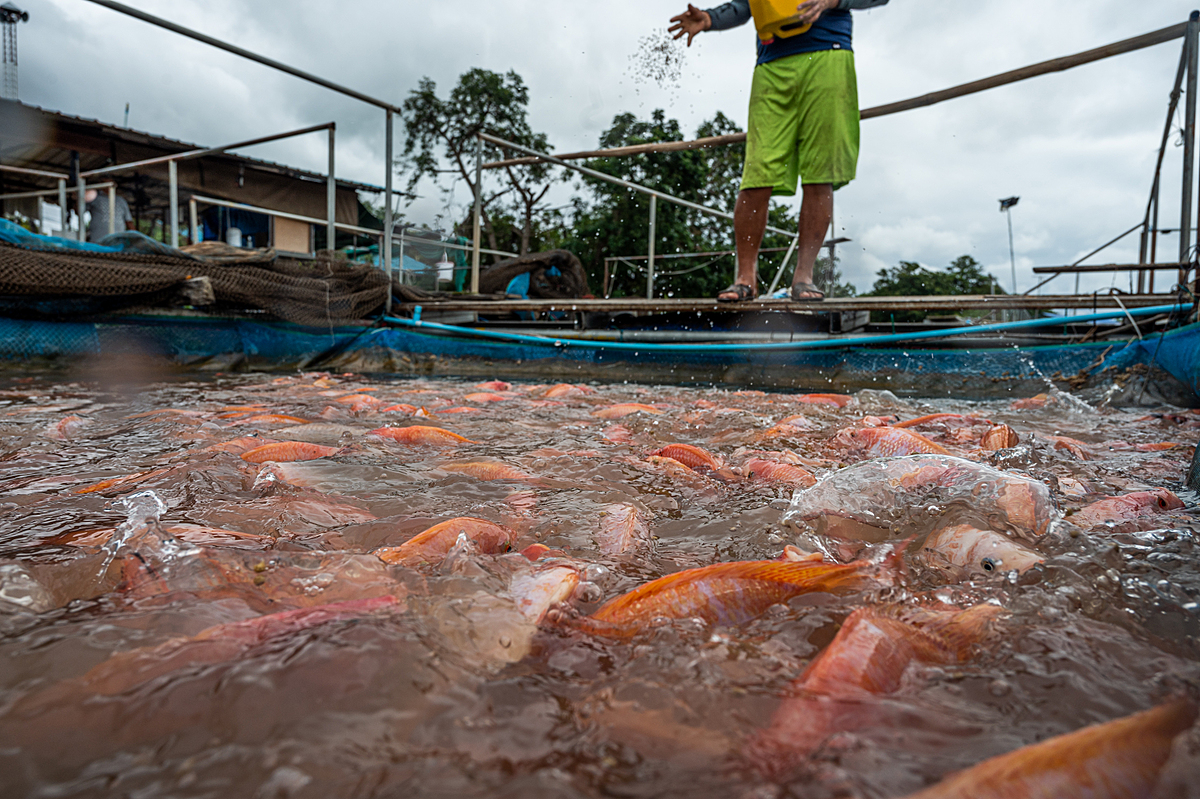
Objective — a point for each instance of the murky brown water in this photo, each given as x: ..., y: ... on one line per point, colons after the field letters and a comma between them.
x: 433, y: 681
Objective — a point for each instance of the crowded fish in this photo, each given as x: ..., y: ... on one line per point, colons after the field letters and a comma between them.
x: 335, y: 584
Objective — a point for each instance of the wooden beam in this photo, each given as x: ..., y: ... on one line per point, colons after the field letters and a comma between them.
x: 1002, y: 79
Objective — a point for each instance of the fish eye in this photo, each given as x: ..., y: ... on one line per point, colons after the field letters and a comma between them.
x: 988, y: 564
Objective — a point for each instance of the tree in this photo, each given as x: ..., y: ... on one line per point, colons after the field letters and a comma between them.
x: 614, y: 221
x: 440, y: 139
x: 964, y: 276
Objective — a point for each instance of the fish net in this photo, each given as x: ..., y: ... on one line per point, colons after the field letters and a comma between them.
x: 325, y: 291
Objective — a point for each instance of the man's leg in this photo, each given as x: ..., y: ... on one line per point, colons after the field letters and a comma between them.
x: 816, y: 211
x: 749, y: 224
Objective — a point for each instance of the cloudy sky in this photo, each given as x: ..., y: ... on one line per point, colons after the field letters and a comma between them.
x: 1077, y: 147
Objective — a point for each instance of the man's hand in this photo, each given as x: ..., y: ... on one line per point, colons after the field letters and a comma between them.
x: 694, y: 20
x: 811, y: 10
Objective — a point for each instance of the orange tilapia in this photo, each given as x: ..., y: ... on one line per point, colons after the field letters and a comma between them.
x: 624, y: 409
x: 888, y: 441
x: 837, y: 400
x: 623, y: 528
x: 287, y: 451
x: 483, y: 470
x: 760, y: 469
x: 66, y: 427
x: 690, y: 456
x: 239, y: 445
x: 1036, y: 401
x: 270, y: 418
x: 1122, y: 758
x: 494, y: 385
x: 484, y: 396
x: 420, y: 435
x: 433, y: 544
x: 724, y: 593
x: 941, y: 418
x: 566, y: 390
x: 868, y: 657
x: 1126, y: 508
x: 1000, y: 436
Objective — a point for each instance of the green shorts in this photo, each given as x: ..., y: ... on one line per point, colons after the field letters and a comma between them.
x: 803, y: 122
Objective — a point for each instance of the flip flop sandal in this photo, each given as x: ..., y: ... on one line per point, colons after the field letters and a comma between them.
x: 800, y: 289
x: 743, y: 292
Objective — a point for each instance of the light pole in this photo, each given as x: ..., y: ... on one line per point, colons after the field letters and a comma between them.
x: 1006, y: 206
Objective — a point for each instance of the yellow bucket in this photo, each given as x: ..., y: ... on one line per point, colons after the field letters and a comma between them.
x: 776, y: 18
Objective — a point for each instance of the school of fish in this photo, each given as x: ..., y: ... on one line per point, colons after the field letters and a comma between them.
x: 340, y: 585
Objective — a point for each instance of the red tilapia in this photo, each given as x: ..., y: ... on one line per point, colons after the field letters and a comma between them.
x: 623, y: 528
x: 435, y: 543
x: 223, y: 643
x: 999, y: 437
x: 484, y: 396
x: 690, y: 456
x: 757, y: 468
x: 625, y: 409
x: 1126, y: 508
x: 868, y: 657
x: 724, y: 593
x: 888, y: 442
x: 1122, y: 758
x: 837, y: 400
x: 420, y: 435
x: 288, y: 451
x: 970, y: 550
x: 483, y: 470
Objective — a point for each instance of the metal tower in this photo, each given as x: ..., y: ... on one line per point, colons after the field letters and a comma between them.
x: 10, y: 15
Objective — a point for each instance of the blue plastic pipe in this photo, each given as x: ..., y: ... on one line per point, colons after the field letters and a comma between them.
x: 519, y: 338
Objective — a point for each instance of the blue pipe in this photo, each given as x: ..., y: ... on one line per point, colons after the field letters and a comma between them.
x: 520, y: 338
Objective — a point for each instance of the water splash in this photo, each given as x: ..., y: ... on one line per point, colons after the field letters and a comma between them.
x: 142, y: 533
x: 1064, y: 399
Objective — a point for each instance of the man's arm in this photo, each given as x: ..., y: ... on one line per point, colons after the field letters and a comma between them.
x: 729, y: 15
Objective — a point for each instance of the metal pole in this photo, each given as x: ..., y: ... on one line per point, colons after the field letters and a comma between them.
x: 62, y: 206
x: 173, y: 188
x: 1012, y: 258
x: 1189, y: 139
x: 787, y: 256
x: 331, y: 197
x: 650, y: 266
x: 193, y: 220
x: 171, y: 26
x: 477, y: 228
x: 592, y: 173
x: 387, y: 206
x: 832, y: 248
x: 80, y: 205
x: 190, y: 154
x: 112, y: 209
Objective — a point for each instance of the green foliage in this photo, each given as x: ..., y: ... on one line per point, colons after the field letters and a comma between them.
x: 613, y: 221
x: 964, y: 276
x: 440, y: 141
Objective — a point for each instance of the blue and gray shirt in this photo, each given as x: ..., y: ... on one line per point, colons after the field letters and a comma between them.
x: 832, y: 31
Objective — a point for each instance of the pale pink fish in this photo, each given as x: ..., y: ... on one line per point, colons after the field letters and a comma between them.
x: 542, y: 587
x: 1126, y: 508
x: 976, y: 551
x: 617, y: 434
x: 625, y: 409
x: 494, y: 385
x: 223, y: 643
x: 66, y: 428
x: 624, y: 528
